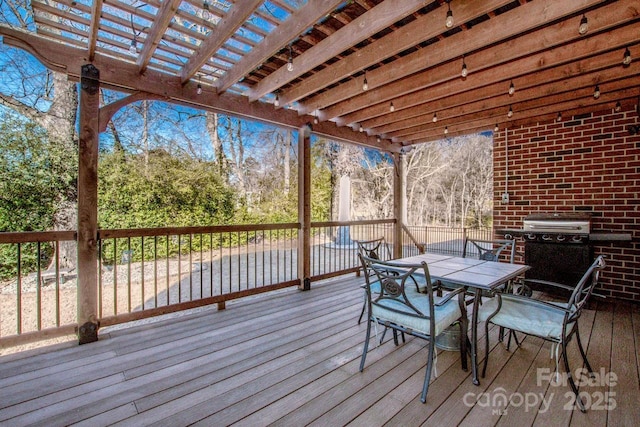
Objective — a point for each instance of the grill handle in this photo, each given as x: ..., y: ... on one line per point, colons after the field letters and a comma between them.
x: 555, y: 227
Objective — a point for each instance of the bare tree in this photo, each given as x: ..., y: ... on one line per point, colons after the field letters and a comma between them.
x: 50, y: 100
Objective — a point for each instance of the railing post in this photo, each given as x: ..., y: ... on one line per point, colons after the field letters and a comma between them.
x: 304, y: 207
x: 398, y: 202
x: 87, y: 238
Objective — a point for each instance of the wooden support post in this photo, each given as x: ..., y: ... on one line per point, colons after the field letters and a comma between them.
x: 398, y: 202
x: 88, y: 323
x: 304, y: 207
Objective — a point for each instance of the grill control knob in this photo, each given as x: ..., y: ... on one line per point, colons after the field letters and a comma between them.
x: 577, y: 239
x: 546, y: 237
x: 560, y: 238
x: 531, y: 236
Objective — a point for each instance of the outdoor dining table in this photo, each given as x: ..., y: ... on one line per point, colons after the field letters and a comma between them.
x: 473, y: 274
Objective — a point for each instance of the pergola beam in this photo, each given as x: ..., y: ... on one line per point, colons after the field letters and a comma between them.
x: 524, y: 18
x: 544, y: 49
x: 538, y: 85
x: 422, y: 29
x: 125, y: 77
x: 298, y: 22
x: 240, y: 11
x: 96, y: 12
x: 486, y: 121
x: 158, y: 28
x: 366, y: 25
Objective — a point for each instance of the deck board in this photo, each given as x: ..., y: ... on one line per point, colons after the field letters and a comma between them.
x: 292, y: 358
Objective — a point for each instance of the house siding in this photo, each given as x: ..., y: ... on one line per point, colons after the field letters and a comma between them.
x: 587, y: 163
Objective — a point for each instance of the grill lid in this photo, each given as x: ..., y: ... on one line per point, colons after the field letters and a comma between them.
x: 558, y: 222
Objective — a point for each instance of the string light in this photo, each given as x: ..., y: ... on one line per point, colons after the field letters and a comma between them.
x: 584, y: 25
x: 435, y: 117
x: 512, y: 88
x: 276, y: 103
x: 134, y: 46
x: 510, y: 112
x: 496, y: 128
x: 315, y: 119
x: 446, y: 130
x: 464, y: 71
x: 206, y: 14
x: 559, y: 118
x: 290, y: 63
x: 448, y: 22
x: 378, y: 139
x: 626, y: 59
x: 361, y: 129
x: 596, y: 92
x: 365, y: 85
x: 618, y: 107
x: 391, y: 107
x: 199, y: 89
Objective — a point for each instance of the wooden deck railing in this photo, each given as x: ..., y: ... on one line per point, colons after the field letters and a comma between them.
x: 147, y: 272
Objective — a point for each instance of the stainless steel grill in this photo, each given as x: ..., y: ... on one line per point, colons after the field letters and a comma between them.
x: 557, y: 246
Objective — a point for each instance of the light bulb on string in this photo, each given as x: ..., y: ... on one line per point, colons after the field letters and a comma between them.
x: 512, y: 88
x: 448, y: 22
x: 559, y: 118
x: 496, y: 128
x: 584, y: 25
x: 276, y: 103
x: 435, y: 117
x: 134, y: 46
x: 199, y: 89
x: 464, y: 71
x: 626, y: 58
x: 206, y: 14
x: 618, y: 107
x: 290, y: 62
x: 391, y: 107
x: 596, y: 92
x: 365, y: 85
x: 446, y: 130
x: 510, y: 112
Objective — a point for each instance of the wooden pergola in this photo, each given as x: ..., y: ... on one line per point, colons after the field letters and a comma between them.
x: 381, y: 73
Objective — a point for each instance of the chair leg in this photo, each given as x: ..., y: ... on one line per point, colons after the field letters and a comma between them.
x: 366, y: 345
x: 512, y: 333
x: 364, y: 305
x: 486, y: 349
x: 582, y: 352
x: 427, y: 375
x: 570, y: 376
x: 464, y: 326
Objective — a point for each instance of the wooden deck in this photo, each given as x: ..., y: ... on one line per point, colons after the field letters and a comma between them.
x: 291, y: 358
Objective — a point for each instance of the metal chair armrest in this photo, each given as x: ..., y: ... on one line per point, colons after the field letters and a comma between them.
x: 449, y: 296
x: 533, y: 302
x: 549, y: 283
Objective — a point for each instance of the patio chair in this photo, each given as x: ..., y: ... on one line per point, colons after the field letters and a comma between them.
x: 375, y: 249
x: 489, y: 250
x: 552, y: 321
x: 402, y: 308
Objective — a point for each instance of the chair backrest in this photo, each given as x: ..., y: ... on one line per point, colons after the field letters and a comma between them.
x: 489, y: 250
x: 395, y: 281
x: 584, y: 288
x: 374, y: 248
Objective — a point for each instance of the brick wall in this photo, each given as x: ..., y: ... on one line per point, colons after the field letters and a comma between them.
x: 588, y: 163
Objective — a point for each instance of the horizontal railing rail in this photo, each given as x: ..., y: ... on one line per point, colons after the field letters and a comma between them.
x: 333, y: 248
x: 147, y: 272
x: 446, y: 240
